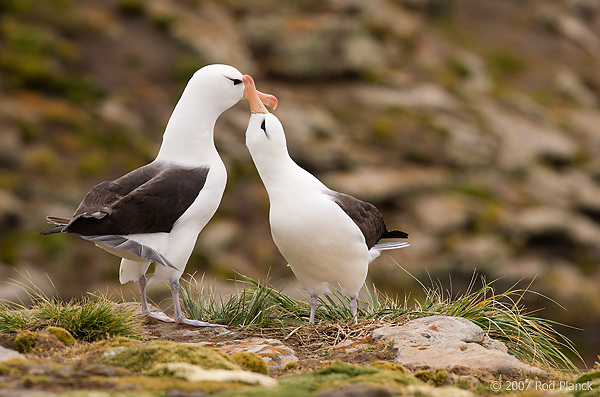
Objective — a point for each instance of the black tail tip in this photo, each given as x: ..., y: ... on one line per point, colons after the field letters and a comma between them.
x: 395, y: 234
x: 51, y: 230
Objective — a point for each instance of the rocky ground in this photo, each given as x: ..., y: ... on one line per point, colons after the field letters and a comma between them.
x: 434, y: 356
x: 472, y: 124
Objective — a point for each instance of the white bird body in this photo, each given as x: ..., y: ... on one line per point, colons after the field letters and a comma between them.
x: 305, y: 225
x: 327, y: 237
x: 155, y: 213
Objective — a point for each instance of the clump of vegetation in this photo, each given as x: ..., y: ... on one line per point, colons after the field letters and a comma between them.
x: 437, y: 377
x: 257, y: 304
x: 13, y: 320
x: 25, y: 341
x: 89, y: 319
x: 141, y: 358
x: 501, y: 315
x: 62, y: 335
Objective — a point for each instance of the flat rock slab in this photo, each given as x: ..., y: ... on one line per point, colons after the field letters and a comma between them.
x: 450, y: 343
x: 273, y: 351
x: 9, y: 354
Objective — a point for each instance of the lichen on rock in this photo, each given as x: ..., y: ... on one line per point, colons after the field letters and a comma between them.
x: 143, y: 357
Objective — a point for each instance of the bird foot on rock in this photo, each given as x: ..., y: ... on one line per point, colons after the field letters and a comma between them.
x: 198, y: 323
x: 160, y: 316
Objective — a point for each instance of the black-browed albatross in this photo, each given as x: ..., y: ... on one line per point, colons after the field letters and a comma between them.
x: 327, y: 237
x: 155, y: 213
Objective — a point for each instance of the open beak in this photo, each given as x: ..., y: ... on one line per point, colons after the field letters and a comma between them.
x: 257, y: 99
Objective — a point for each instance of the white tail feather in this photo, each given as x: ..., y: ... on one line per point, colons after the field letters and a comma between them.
x: 392, y: 245
x: 58, y: 220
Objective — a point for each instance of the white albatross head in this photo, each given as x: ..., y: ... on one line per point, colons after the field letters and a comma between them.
x: 221, y: 87
x: 210, y: 91
x: 265, y: 137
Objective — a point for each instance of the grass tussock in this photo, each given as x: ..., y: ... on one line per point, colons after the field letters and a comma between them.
x: 501, y: 314
x: 89, y: 319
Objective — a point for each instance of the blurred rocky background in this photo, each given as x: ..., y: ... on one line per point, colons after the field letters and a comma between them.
x: 473, y: 125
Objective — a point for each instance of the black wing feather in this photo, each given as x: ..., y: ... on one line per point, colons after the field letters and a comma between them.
x: 367, y: 217
x: 149, y: 199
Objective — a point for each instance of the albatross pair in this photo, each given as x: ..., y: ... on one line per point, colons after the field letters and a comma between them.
x: 155, y: 213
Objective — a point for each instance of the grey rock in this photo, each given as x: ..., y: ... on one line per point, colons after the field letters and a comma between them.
x: 525, y: 140
x: 550, y: 220
x: 9, y: 354
x: 467, y: 145
x: 487, y: 253
x: 426, y: 97
x: 450, y: 342
x: 317, y: 47
x: 11, y: 210
x: 569, y: 84
x: 570, y: 27
x: 442, y: 213
x: 11, y: 148
x: 381, y: 183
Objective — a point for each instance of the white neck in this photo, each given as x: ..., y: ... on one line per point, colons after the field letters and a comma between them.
x: 281, y: 175
x: 188, y: 137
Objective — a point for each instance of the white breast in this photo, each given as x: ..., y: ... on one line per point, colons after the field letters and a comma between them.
x: 319, y: 241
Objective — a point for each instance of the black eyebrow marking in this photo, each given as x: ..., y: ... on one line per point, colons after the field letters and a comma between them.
x: 263, y: 126
x: 235, y: 81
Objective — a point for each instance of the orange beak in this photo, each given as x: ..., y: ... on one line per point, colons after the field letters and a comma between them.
x: 257, y: 99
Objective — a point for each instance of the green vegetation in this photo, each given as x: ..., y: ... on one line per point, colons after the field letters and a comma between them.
x: 502, y: 315
x: 143, y: 357
x: 25, y: 341
x: 251, y: 362
x: 335, y: 375
x: 504, y: 64
x: 89, y: 319
x: 62, y: 335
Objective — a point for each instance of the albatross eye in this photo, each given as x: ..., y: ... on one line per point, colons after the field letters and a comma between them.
x: 263, y: 127
x: 236, y: 81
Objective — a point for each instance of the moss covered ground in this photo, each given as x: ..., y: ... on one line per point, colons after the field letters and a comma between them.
x: 150, y: 366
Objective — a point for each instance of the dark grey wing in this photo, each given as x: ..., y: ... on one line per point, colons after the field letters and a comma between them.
x: 97, y: 203
x: 367, y: 217
x: 147, y: 201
